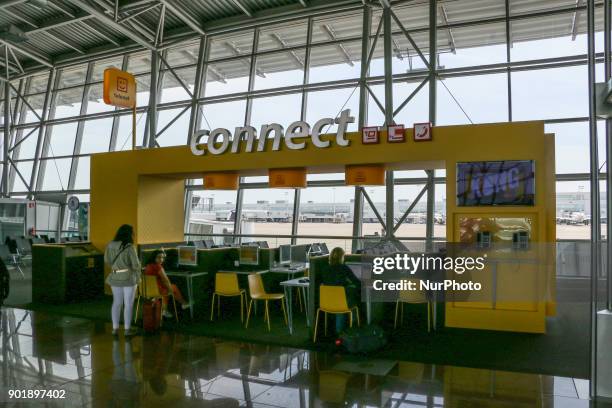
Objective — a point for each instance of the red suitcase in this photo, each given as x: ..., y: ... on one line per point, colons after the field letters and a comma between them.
x: 151, y: 315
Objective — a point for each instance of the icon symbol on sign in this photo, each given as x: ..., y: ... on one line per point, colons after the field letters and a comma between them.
x: 422, y: 132
x: 122, y: 84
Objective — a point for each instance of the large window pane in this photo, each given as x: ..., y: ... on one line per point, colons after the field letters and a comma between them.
x: 546, y: 37
x: 572, y: 146
x: 279, y: 36
x: 27, y: 148
x: 228, y: 77
x: 283, y: 109
x: 172, y: 90
x: 184, y: 54
x: 326, y: 211
x: 143, y: 84
x: 176, y: 133
x: 96, y: 136
x: 280, y: 69
x: 268, y: 211
x: 229, y: 45
x: 415, y: 111
x: 62, y: 140
x: 473, y: 99
x: 56, y: 174
x: 38, y: 84
x: 473, y: 45
x: 68, y: 103
x: 36, y: 101
x: 325, y: 104
x: 337, y: 26
x: 124, y: 133
x: 95, y: 103
x: 213, y: 212
x: 222, y: 115
x: 550, y: 93
x: 81, y: 181
x: 25, y: 168
x: 72, y: 76
x: 139, y: 63
x: 335, y: 62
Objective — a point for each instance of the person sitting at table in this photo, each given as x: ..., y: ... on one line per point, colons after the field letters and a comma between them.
x: 339, y: 274
x: 154, y: 267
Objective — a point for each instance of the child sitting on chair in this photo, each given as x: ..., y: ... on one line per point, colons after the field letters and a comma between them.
x: 154, y: 267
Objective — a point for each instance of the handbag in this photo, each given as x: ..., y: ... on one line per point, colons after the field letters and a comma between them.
x: 118, y: 275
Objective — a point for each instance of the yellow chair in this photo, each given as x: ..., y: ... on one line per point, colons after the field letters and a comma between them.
x: 332, y: 299
x: 412, y: 297
x: 226, y: 285
x: 257, y: 292
x: 152, y: 292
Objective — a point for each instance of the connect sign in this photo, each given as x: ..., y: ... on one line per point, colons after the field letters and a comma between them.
x: 119, y: 88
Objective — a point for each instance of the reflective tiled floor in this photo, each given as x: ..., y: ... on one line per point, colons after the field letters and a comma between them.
x: 80, y: 357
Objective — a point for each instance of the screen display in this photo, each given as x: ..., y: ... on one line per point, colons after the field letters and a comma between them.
x: 187, y: 255
x: 249, y: 255
x: 285, y: 253
x: 509, y: 182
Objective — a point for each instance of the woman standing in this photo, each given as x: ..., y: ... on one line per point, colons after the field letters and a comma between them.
x: 122, y: 258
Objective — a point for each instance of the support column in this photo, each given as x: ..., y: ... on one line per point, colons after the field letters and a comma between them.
x: 43, y: 132
x: 194, y: 118
x: 7, y: 126
x: 362, y: 120
x: 152, y: 114
x: 296, y: 215
x: 608, y: 76
x: 594, y: 182
x: 388, y: 60
x: 433, y: 64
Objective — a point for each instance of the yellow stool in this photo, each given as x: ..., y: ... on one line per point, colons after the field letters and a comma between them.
x: 226, y: 285
x: 257, y: 292
x: 332, y: 299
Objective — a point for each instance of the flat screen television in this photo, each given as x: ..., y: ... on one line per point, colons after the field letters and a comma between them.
x: 493, y: 183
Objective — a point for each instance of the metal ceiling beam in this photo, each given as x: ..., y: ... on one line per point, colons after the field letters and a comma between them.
x: 303, y: 3
x: 30, y: 54
x: 59, y: 22
x: 243, y: 8
x: 101, y: 34
x: 59, y: 38
x: 185, y: 18
x: 103, y: 18
x: 247, y: 61
x: 19, y: 16
x: 8, y: 3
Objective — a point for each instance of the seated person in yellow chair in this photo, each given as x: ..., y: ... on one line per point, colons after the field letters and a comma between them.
x: 339, y: 274
x: 155, y: 268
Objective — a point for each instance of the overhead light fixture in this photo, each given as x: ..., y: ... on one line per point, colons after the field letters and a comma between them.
x: 12, y: 33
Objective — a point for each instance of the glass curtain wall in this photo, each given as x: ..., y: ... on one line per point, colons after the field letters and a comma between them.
x: 516, y: 61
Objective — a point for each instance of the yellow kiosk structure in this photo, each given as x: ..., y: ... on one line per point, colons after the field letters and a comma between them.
x: 145, y: 188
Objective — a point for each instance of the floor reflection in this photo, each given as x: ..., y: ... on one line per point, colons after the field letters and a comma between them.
x: 82, y: 359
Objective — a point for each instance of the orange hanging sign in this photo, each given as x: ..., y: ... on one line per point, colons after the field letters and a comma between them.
x: 119, y: 88
x: 366, y: 175
x: 221, y: 181
x: 287, y: 178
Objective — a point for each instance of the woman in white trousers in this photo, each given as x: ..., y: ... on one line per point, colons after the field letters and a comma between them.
x: 123, y: 260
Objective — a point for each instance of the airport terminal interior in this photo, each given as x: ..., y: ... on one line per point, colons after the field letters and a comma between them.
x: 305, y: 203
